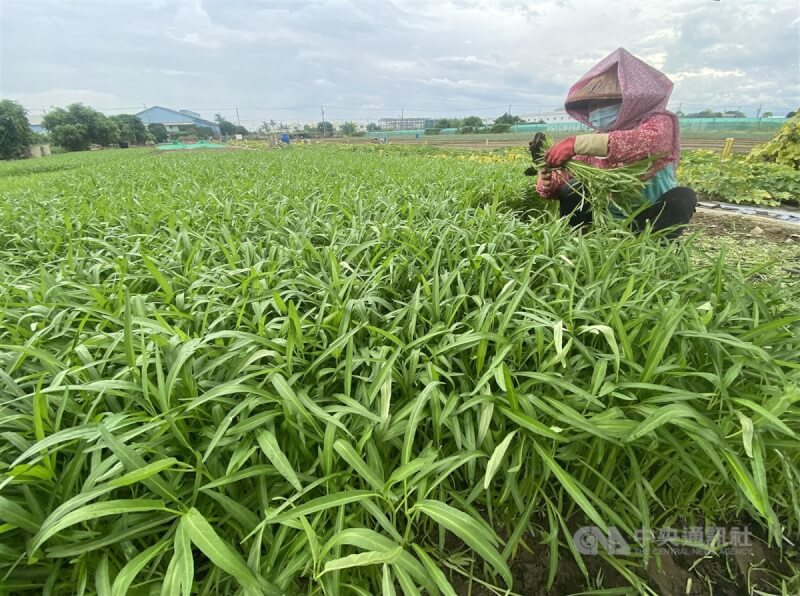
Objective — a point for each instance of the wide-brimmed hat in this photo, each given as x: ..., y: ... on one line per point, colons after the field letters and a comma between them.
x: 604, y: 86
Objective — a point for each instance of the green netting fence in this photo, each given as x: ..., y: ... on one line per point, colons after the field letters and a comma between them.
x: 712, y: 127
x: 198, y: 145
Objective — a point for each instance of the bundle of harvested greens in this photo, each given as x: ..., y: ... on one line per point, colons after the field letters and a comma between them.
x: 618, y: 189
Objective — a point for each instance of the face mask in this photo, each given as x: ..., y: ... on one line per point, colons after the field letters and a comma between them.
x: 604, y: 118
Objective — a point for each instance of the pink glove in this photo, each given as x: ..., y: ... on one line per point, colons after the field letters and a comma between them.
x: 545, y: 184
x: 560, y: 152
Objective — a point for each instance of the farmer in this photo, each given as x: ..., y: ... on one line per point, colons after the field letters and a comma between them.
x: 624, y: 100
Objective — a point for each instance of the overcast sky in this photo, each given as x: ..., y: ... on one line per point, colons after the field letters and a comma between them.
x: 365, y: 60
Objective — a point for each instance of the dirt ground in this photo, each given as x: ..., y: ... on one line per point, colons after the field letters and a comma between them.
x: 769, y: 248
x: 755, y: 568
x: 716, y: 222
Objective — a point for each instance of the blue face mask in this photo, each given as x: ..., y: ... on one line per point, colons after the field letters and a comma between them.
x: 604, y: 118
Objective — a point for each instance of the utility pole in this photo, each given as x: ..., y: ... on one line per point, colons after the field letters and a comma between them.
x: 237, y: 116
x: 402, y: 112
x: 321, y: 109
x: 509, y: 109
x: 758, y: 113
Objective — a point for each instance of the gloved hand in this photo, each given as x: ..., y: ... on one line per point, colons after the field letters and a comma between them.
x: 545, y: 181
x: 560, y: 152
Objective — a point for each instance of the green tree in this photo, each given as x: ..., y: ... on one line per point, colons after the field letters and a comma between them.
x: 705, y: 114
x: 348, y: 129
x: 226, y: 127
x: 447, y: 123
x: 326, y: 128
x: 131, y: 129
x: 767, y: 115
x: 205, y: 132
x: 106, y: 132
x: 472, y: 122
x: 99, y: 129
x: 159, y: 132
x: 372, y: 127
x: 500, y: 128
x: 15, y: 131
x: 187, y: 130
x: 72, y: 137
x: 508, y: 119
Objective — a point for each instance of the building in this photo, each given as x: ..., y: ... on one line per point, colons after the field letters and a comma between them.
x: 37, y: 128
x: 557, y: 116
x: 405, y: 123
x: 176, y: 120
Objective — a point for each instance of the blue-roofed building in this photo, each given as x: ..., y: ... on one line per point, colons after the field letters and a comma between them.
x: 38, y: 128
x: 173, y: 120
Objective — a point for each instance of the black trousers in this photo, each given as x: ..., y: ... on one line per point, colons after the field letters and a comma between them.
x: 673, y: 210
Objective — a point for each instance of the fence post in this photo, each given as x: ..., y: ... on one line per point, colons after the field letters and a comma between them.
x: 727, y: 149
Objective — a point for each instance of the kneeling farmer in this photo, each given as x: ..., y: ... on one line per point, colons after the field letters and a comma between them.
x: 625, y: 100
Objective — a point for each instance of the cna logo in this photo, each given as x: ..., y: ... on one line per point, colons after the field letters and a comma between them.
x: 691, y: 540
x: 588, y: 538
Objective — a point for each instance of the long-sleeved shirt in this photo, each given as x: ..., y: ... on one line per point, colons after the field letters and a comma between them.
x: 653, y: 136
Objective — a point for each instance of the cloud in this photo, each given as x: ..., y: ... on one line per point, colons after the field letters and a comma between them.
x: 397, y: 66
x: 172, y: 73
x: 282, y: 59
x: 705, y: 73
x: 196, y: 39
x: 460, y: 84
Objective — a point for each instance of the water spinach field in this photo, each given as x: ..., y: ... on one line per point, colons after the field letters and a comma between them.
x: 363, y: 370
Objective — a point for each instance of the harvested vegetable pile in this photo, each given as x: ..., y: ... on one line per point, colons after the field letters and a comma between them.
x: 784, y: 149
x: 352, y: 371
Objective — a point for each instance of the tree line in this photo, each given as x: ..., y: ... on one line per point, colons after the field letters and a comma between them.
x: 77, y: 127
x: 707, y: 113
